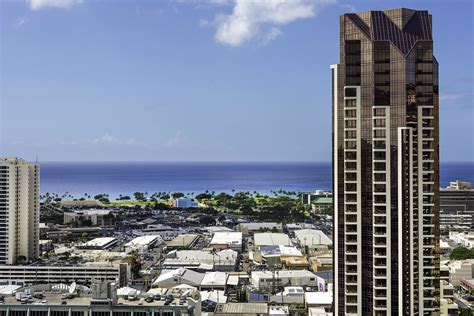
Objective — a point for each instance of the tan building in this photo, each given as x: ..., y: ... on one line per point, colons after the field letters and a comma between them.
x: 19, y: 210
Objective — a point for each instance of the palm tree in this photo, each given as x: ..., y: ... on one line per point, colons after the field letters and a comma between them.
x: 214, y: 252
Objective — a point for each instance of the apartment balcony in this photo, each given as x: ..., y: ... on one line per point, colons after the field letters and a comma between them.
x: 380, y: 232
x: 351, y: 289
x: 380, y: 305
x: 380, y: 286
x: 380, y: 221
x: 351, y: 259
x: 351, y: 241
x: 351, y: 269
x: 380, y: 254
x: 350, y: 198
x: 380, y: 241
x: 380, y: 273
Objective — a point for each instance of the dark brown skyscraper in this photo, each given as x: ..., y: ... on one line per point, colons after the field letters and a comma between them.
x: 385, y: 153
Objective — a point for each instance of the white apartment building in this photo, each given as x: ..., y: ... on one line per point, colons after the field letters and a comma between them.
x: 465, y: 239
x: 19, y: 210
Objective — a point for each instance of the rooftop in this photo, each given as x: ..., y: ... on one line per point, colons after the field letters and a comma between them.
x: 318, y: 298
x: 226, y: 238
x: 283, y: 274
x: 272, y: 239
x: 184, y: 240
x: 310, y: 237
x: 99, y: 242
x: 214, y: 278
x: 143, y: 240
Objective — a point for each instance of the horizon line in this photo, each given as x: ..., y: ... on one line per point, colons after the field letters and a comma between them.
x: 207, y: 161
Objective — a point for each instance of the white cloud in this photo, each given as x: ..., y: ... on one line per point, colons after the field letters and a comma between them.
x: 259, y: 19
x: 176, y: 140
x: 20, y: 21
x: 451, y: 96
x: 272, y: 34
x: 62, y: 4
x: 106, y: 139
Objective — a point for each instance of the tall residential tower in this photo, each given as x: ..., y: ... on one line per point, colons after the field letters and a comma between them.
x: 19, y: 210
x: 386, y: 165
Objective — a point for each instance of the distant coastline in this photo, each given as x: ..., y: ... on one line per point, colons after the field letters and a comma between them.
x: 114, y: 178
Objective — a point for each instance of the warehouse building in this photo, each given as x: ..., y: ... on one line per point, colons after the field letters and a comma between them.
x: 271, y: 239
x: 143, y: 243
x: 313, y: 238
x: 100, y: 243
x: 82, y: 274
x: 227, y: 240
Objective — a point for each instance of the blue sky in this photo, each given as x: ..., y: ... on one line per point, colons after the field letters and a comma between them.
x: 216, y: 80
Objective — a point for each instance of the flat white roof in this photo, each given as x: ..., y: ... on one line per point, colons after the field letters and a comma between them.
x: 215, y: 296
x: 142, y: 240
x: 8, y: 289
x: 318, y: 298
x: 227, y: 238
x: 271, y: 239
x: 310, y: 237
x: 444, y: 244
x: 283, y: 274
x: 100, y: 242
x: 263, y: 225
x: 214, y: 278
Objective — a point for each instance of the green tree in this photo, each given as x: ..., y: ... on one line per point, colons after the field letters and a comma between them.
x: 139, y: 196
x: 461, y: 253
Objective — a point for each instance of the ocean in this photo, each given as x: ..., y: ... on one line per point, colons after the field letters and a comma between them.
x: 114, y: 178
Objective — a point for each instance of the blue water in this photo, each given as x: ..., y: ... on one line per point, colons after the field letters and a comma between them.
x: 128, y: 177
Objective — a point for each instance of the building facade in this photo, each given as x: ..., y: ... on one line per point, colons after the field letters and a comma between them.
x: 19, y: 210
x: 458, y: 200
x: 385, y: 164
x: 82, y: 274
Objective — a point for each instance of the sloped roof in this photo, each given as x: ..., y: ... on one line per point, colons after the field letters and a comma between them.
x: 214, y: 278
x: 383, y: 28
x: 185, y: 276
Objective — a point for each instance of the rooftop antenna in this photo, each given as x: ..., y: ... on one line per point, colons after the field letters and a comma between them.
x: 36, y: 159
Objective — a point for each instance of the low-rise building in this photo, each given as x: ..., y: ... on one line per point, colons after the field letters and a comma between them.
x: 101, y: 243
x: 447, y: 220
x: 321, y: 262
x: 319, y: 299
x: 143, y: 243
x: 460, y: 269
x: 321, y: 204
x: 214, y: 281
x: 310, y: 197
x: 467, y: 286
x: 297, y: 226
x: 248, y: 229
x: 270, y: 279
x: 91, y: 217
x: 242, y: 309
x: 227, y: 240
x: 166, y: 232
x: 83, y: 274
x: 290, y: 295
x: 183, y: 241
x: 457, y: 199
x: 103, y: 301
x: 224, y: 260
x: 184, y: 202
x: 313, y: 239
x: 464, y: 238
x: 171, y: 278
x: 271, y: 239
